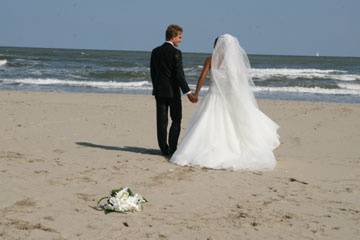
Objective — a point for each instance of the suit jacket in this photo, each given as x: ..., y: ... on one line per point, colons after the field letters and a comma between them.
x: 167, y: 73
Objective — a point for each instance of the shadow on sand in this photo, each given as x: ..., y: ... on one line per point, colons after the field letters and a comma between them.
x: 149, y: 151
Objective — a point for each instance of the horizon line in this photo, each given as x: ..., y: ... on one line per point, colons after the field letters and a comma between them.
x: 128, y: 50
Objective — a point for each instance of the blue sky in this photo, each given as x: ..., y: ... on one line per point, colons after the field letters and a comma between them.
x: 330, y: 27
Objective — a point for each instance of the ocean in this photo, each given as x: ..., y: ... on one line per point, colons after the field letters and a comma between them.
x: 309, y: 78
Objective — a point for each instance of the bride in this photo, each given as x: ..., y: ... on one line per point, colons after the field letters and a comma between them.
x: 228, y: 130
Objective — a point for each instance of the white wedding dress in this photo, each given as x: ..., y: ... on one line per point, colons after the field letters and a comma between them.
x: 228, y: 130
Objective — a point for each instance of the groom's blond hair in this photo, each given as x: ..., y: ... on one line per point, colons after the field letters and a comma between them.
x: 172, y: 31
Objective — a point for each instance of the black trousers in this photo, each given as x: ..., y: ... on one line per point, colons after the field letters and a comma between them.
x: 162, y: 109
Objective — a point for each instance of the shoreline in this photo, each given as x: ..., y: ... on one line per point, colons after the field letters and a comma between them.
x: 61, y: 152
x: 142, y: 94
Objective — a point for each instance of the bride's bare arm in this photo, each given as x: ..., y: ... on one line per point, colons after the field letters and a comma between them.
x: 202, y: 77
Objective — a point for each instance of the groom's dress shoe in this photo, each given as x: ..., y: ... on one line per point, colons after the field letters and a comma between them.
x: 165, y: 152
x: 171, y: 152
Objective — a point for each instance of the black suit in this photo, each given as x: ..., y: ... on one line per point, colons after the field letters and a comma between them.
x: 168, y: 78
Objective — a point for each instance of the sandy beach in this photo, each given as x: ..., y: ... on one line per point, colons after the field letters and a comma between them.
x: 61, y: 152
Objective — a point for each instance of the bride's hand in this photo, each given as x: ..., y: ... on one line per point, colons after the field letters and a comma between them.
x: 192, y: 98
x: 196, y: 97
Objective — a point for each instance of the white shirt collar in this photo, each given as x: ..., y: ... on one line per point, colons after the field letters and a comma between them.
x: 171, y: 43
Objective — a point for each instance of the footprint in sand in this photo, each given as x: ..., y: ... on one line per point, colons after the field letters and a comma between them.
x: 25, y: 225
x: 49, y: 218
x: 35, y: 160
x: 58, y: 151
x: 24, y: 205
x: 86, y: 197
x: 58, y: 162
x: 43, y: 172
x: 80, y: 180
x: 317, y: 125
x: 27, y: 202
x: 178, y: 174
x: 11, y: 155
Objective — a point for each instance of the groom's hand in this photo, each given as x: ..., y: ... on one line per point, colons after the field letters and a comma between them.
x: 192, y: 98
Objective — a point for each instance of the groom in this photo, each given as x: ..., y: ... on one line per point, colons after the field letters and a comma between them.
x: 168, y: 78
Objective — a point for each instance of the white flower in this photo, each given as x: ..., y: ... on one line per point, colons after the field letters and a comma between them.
x: 124, y: 201
x: 123, y: 194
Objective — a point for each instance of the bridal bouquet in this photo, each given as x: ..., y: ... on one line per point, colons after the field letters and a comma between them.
x: 121, y: 200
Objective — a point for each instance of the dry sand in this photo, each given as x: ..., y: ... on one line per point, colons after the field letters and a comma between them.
x: 61, y: 152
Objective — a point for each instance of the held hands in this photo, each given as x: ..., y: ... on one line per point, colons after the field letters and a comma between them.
x: 192, y: 98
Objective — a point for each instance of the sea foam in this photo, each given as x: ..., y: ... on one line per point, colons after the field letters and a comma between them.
x: 350, y: 86
x: 3, y: 62
x: 289, y: 73
x: 97, y: 84
x: 343, y: 88
x: 314, y: 90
